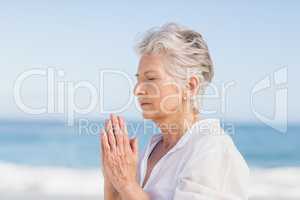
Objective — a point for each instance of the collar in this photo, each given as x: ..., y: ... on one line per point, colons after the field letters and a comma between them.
x: 202, y: 127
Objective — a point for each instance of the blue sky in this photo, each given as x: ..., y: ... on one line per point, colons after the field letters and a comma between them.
x: 248, y: 41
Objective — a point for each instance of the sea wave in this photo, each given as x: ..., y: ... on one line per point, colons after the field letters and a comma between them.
x: 266, y: 183
x: 50, y: 180
x: 275, y: 183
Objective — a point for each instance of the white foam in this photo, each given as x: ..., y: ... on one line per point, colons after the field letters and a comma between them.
x: 277, y: 183
x: 50, y: 180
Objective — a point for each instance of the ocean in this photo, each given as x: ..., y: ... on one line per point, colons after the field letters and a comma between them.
x: 50, y: 160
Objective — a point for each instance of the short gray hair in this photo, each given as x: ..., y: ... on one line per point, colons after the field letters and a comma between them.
x: 187, y: 53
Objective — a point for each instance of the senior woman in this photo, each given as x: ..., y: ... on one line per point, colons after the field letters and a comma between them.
x: 192, y: 158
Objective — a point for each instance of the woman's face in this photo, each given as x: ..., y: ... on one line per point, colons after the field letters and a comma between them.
x: 158, y: 93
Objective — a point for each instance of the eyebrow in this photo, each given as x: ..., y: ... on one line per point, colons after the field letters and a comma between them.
x: 146, y: 72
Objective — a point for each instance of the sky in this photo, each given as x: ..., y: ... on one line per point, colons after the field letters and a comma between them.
x: 249, y: 41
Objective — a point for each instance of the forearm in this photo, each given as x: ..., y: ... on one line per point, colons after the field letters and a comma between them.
x: 133, y: 192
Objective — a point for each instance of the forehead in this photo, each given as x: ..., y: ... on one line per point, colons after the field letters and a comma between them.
x: 151, y: 63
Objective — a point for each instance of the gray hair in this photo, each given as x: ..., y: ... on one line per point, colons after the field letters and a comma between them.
x: 187, y: 54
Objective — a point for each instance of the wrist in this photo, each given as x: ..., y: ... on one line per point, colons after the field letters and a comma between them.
x: 129, y: 188
x: 109, y: 187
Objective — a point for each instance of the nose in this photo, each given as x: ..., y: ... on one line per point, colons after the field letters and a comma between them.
x: 138, y: 90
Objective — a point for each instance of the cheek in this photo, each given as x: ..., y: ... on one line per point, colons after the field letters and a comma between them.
x: 170, y: 99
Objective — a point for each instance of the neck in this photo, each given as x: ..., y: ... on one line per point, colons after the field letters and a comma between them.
x: 174, y: 127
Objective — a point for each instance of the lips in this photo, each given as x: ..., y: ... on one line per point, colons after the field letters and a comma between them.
x: 144, y: 104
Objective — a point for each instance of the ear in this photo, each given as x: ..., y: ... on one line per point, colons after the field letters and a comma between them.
x: 193, y: 85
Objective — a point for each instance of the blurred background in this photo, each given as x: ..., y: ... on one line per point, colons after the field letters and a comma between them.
x: 65, y: 65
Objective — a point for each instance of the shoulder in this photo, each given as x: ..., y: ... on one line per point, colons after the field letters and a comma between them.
x: 216, y: 147
x: 215, y: 170
x: 205, y: 140
x: 214, y: 161
x: 209, y: 137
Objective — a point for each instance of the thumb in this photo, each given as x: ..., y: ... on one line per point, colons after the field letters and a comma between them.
x: 134, y: 145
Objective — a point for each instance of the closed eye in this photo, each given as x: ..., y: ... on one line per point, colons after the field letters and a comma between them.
x: 151, y: 79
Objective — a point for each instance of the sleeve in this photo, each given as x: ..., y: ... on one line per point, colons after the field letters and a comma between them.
x: 219, y: 174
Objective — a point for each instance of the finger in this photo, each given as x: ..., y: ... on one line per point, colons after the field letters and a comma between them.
x: 123, y: 127
x: 120, y: 122
x: 115, y: 123
x: 105, y: 151
x: 106, y: 125
x: 118, y: 132
x: 111, y: 137
x: 109, y: 125
x: 134, y: 145
x: 119, y: 135
x: 104, y: 142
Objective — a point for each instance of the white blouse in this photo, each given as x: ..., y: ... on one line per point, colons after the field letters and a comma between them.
x: 203, y: 165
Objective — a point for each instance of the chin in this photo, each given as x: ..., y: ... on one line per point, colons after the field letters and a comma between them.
x: 147, y: 115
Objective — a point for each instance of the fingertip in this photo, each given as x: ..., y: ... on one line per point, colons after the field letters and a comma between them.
x: 106, y: 123
x: 109, y: 124
x: 136, y: 144
x: 121, y: 120
x: 103, y: 133
x: 102, y: 138
x: 124, y: 126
